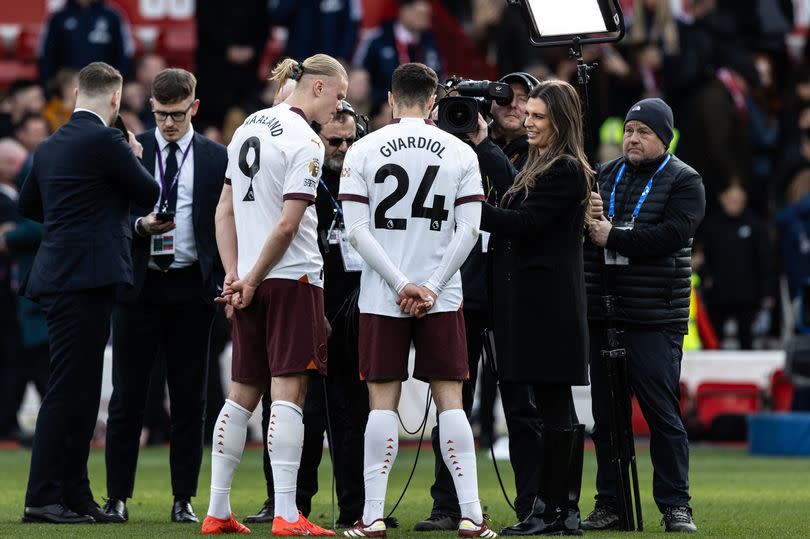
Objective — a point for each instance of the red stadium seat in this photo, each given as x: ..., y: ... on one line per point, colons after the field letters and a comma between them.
x: 28, y: 43
x: 725, y: 402
x: 781, y: 391
x: 12, y: 70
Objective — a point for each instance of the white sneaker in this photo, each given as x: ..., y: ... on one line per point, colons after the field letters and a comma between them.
x: 468, y: 528
x: 375, y: 529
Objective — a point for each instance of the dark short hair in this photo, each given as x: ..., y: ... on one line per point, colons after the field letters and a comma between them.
x: 413, y: 84
x: 21, y: 85
x: 341, y: 117
x: 173, y: 85
x: 29, y: 116
x: 99, y: 78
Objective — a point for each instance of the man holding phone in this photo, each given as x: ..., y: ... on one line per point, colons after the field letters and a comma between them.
x: 167, y: 314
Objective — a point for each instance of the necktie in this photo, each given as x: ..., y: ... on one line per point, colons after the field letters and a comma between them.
x: 170, y: 198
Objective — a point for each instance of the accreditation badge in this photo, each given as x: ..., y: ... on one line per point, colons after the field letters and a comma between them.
x: 352, y: 261
x: 612, y: 258
x: 484, y: 241
x: 333, y: 236
x: 162, y: 244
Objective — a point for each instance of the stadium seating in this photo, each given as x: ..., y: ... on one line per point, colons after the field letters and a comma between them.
x: 722, y: 408
x: 780, y: 391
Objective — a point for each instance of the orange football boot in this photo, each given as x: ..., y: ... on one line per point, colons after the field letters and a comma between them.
x: 302, y: 526
x: 216, y: 526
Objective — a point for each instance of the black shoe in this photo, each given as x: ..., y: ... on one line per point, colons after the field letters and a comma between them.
x: 182, y: 511
x: 266, y: 514
x: 603, y: 517
x: 114, y: 511
x: 437, y: 523
x: 55, y: 514
x: 539, y: 524
x: 679, y: 519
x: 101, y: 516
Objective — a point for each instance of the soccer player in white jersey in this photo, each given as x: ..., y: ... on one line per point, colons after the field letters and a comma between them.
x: 412, y: 199
x: 266, y: 233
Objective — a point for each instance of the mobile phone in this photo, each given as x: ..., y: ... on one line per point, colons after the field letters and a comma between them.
x: 119, y: 124
x: 164, y: 216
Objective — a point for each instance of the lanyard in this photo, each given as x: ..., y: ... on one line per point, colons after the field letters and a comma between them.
x: 335, y: 203
x: 642, y: 198
x: 166, y: 191
x: 402, y: 51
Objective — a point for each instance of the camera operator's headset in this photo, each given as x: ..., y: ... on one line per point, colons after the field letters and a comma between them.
x: 522, y: 77
x: 360, y: 120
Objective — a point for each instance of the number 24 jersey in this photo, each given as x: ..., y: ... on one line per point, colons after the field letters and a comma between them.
x: 412, y: 175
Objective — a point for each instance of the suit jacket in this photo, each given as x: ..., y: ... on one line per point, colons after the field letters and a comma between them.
x: 83, y: 179
x: 210, y: 162
x: 538, y: 283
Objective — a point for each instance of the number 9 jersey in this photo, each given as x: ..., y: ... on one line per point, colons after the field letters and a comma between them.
x: 412, y: 175
x: 275, y: 156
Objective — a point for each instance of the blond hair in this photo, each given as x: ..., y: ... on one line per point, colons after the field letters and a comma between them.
x: 663, y: 27
x: 317, y: 65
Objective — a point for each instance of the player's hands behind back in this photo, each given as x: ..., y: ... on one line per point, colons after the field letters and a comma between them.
x: 416, y: 300
x: 238, y: 292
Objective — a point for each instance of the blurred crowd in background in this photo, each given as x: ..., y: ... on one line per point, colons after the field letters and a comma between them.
x: 736, y: 73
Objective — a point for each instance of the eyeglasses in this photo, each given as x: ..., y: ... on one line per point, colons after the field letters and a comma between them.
x: 337, y: 141
x: 177, y: 116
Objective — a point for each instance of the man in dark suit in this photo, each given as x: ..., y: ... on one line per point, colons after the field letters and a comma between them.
x: 169, y: 311
x: 82, y: 182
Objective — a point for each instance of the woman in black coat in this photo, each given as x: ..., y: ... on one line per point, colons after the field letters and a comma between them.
x: 538, y: 289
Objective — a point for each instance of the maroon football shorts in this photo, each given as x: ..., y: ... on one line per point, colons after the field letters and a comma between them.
x: 282, y: 331
x: 439, y: 339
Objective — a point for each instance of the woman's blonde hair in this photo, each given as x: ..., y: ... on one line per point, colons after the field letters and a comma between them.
x: 564, y: 113
x: 663, y: 28
x: 318, y: 65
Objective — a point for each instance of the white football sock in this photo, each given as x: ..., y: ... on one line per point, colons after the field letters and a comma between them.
x: 226, y: 453
x: 458, y: 452
x: 285, y: 439
x: 381, y: 446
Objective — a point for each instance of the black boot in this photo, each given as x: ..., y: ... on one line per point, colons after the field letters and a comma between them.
x: 572, y: 516
x: 548, y: 516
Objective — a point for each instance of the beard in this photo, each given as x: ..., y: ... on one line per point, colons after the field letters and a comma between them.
x: 333, y: 164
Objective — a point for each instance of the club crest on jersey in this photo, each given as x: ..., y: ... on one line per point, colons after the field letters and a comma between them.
x: 314, y: 168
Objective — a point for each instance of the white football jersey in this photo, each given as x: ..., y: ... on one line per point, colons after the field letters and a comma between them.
x: 276, y: 156
x: 412, y: 175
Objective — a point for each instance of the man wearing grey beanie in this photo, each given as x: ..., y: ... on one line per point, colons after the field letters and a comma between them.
x: 645, y: 215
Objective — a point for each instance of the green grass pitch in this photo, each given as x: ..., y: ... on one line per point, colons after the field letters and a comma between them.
x: 733, y: 495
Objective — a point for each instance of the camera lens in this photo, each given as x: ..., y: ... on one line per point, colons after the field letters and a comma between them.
x: 458, y: 114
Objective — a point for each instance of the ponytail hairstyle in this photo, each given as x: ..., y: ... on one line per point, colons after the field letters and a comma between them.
x: 317, y: 65
x: 567, y: 140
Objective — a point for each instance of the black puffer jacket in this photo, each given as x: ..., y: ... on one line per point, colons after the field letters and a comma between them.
x: 499, y: 166
x: 653, y: 289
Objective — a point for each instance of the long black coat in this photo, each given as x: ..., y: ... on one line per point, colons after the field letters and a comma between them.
x: 537, y: 281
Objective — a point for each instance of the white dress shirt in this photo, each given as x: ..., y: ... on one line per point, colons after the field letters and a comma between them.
x: 185, y: 249
x: 92, y: 112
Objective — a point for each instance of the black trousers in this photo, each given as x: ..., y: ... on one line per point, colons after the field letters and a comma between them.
x: 27, y: 365
x: 78, y: 327
x: 744, y: 315
x: 171, y: 319
x: 654, y: 367
x: 348, y: 413
x: 522, y: 421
